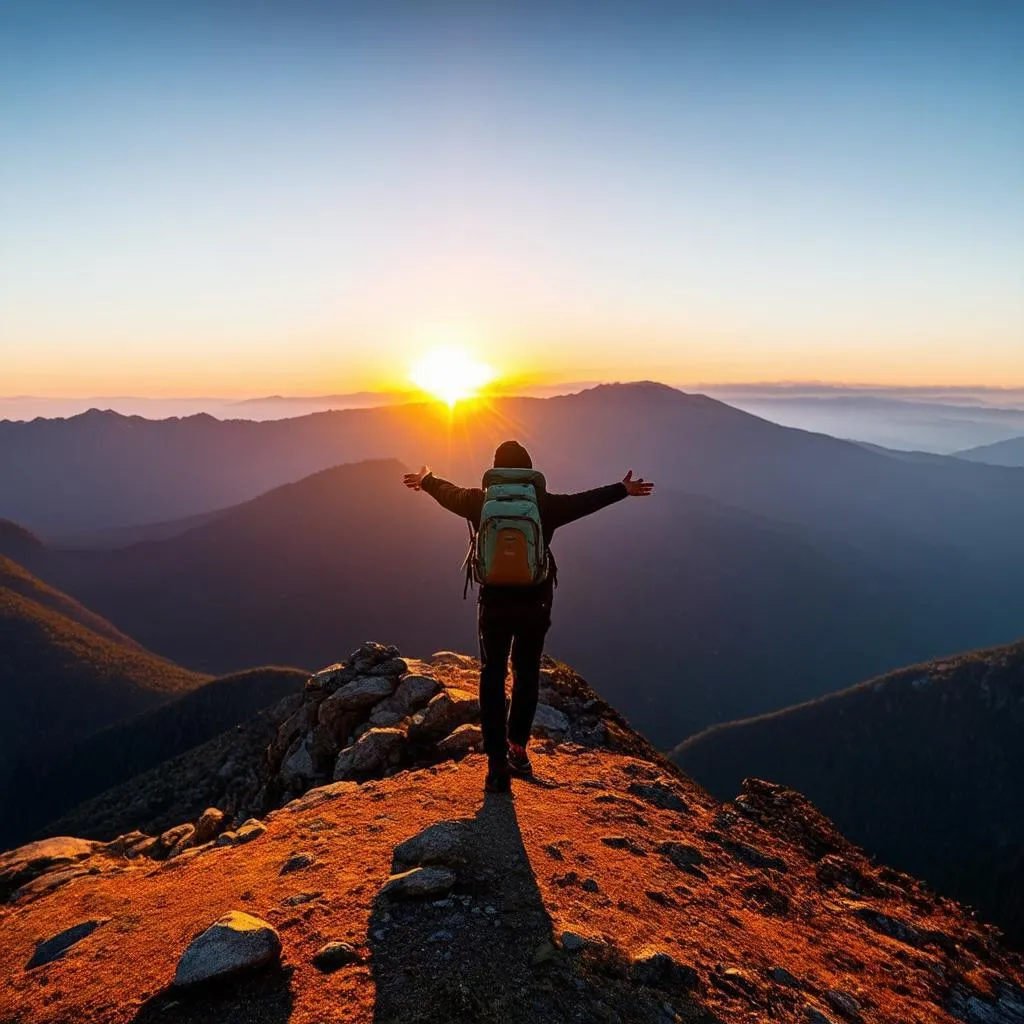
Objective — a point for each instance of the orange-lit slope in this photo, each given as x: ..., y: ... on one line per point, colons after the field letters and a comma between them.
x: 766, y: 913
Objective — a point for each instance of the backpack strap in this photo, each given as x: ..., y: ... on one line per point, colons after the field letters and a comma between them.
x: 553, y: 568
x: 467, y: 562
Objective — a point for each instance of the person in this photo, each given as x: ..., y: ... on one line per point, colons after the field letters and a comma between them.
x: 515, y: 619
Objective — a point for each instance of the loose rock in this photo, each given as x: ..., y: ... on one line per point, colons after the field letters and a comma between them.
x: 549, y: 721
x: 237, y: 942
x: 441, y: 843
x: 208, y: 825
x: 462, y: 740
x: 419, y: 883
x: 296, y: 863
x: 445, y: 712
x: 334, y: 955
x: 374, y: 750
x: 56, y: 947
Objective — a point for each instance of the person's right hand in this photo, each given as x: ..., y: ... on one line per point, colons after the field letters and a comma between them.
x: 414, y: 481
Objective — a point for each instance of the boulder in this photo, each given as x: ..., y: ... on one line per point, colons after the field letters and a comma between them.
x: 48, y: 950
x: 658, y: 968
x: 462, y: 740
x: 27, y: 862
x: 175, y: 839
x: 318, y: 796
x: 358, y: 695
x: 444, y: 842
x: 298, y: 722
x: 371, y: 654
x: 49, y: 881
x: 549, y: 721
x: 419, y: 883
x: 391, y: 667
x: 297, y: 766
x: 209, y: 824
x: 120, y: 846
x: 445, y: 712
x: 375, y: 750
x: 453, y: 659
x: 385, y: 717
x: 412, y: 693
x: 249, y: 830
x: 148, y: 846
x: 328, y: 678
x: 237, y: 942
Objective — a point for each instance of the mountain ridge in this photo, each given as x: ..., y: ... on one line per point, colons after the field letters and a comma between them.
x: 1008, y: 453
x: 920, y: 766
x: 65, y: 671
x: 665, y: 588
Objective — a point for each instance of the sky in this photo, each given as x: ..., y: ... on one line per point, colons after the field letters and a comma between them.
x: 216, y: 198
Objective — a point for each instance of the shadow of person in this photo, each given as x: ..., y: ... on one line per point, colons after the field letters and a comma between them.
x: 264, y: 997
x: 477, y: 955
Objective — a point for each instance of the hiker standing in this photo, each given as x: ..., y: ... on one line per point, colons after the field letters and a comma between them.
x: 512, y: 518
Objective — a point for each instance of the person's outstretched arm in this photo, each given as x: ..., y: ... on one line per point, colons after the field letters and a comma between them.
x: 566, y: 508
x: 466, y: 502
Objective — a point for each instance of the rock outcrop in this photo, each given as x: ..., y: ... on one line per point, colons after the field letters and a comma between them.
x: 610, y: 888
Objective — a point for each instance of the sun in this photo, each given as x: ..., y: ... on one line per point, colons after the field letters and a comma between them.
x: 451, y: 374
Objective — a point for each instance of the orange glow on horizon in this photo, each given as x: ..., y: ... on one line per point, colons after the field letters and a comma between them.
x: 451, y: 374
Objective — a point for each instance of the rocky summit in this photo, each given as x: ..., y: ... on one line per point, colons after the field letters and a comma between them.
x: 361, y: 875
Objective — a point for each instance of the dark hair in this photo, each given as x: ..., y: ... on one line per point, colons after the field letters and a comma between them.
x: 512, y: 455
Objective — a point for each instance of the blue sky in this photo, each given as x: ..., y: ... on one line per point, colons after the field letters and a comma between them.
x: 226, y: 198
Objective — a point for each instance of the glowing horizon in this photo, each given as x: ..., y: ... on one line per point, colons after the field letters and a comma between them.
x: 303, y: 202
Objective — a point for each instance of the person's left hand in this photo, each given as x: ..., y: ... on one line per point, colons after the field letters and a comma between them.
x: 638, y: 488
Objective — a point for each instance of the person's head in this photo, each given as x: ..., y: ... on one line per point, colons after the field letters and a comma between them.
x: 512, y: 455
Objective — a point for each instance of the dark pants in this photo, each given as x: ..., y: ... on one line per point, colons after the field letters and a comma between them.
x: 518, y: 628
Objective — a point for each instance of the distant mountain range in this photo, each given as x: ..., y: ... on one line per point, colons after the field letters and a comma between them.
x: 85, y: 706
x: 921, y: 767
x: 771, y: 566
x: 65, y: 671
x: 936, y: 420
x: 685, y: 611
x: 102, y: 470
x: 1002, y: 453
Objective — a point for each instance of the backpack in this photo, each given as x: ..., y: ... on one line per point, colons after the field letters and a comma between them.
x: 508, y: 548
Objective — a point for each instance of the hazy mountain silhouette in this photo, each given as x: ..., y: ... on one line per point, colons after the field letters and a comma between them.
x: 65, y: 672
x: 922, y: 767
x: 682, y: 610
x: 39, y: 789
x: 932, y: 423
x: 101, y: 470
x: 1002, y: 453
x: 17, y: 542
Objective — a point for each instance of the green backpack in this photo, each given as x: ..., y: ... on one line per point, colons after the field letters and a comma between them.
x: 508, y: 547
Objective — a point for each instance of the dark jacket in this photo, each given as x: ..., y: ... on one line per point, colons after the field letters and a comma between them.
x: 555, y: 510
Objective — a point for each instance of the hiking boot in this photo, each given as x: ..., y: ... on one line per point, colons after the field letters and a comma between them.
x: 498, y: 780
x: 518, y: 762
